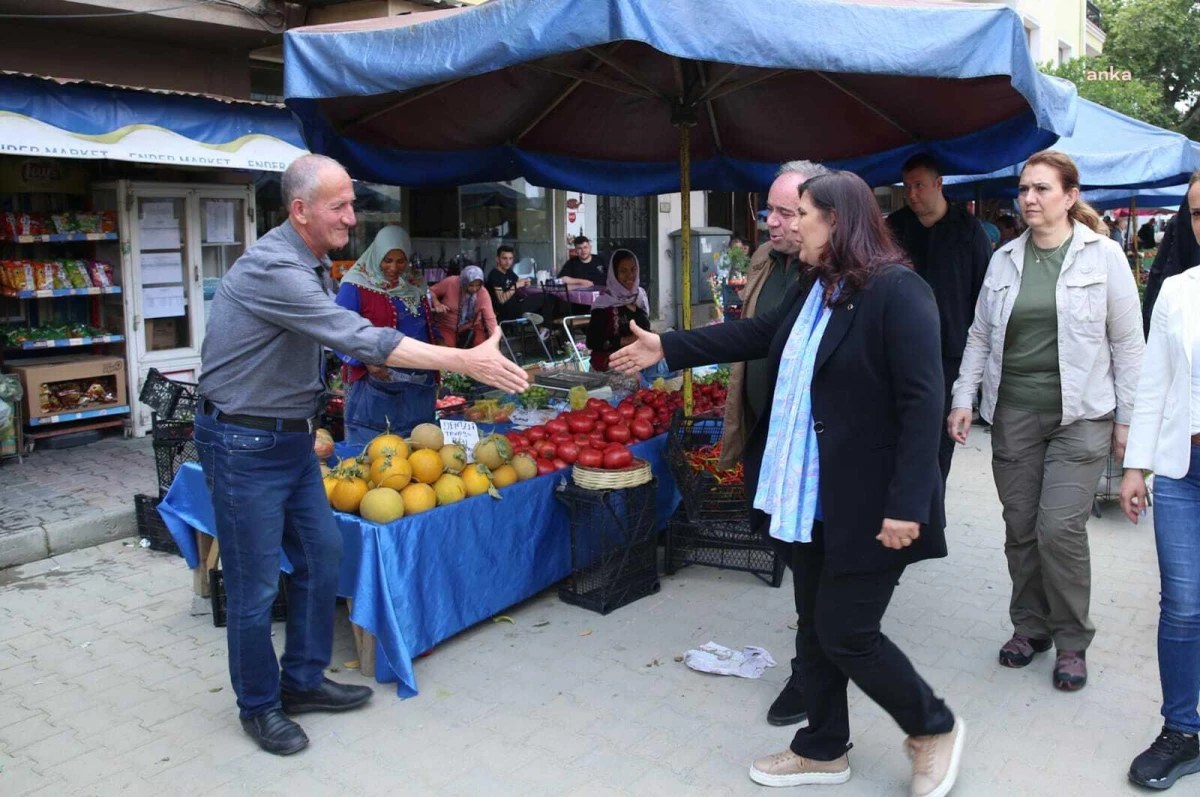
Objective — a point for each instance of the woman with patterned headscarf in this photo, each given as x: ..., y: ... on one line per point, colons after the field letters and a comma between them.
x: 465, y: 317
x: 383, y: 288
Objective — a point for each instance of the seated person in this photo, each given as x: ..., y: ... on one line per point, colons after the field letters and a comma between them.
x: 504, y: 286
x: 464, y: 309
x: 622, y: 301
x: 583, y: 270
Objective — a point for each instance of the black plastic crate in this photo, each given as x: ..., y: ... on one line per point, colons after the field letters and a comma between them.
x: 216, y: 594
x: 723, y: 545
x: 169, y: 457
x: 614, y: 547
x: 150, y: 525
x: 169, y: 399
x: 704, y: 498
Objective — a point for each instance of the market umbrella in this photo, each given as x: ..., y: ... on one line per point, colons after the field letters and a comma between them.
x: 639, y: 97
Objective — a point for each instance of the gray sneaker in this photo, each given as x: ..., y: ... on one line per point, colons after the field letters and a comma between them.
x: 935, y: 761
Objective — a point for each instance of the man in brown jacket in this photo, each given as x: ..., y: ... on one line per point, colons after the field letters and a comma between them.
x: 774, y: 266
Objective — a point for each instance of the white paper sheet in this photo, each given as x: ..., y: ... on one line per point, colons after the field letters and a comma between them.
x: 159, y: 238
x: 219, y: 221
x: 159, y: 215
x: 160, y: 268
x: 163, y: 302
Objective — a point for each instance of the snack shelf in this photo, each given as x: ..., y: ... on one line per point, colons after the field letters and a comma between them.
x: 48, y: 294
x: 65, y: 238
x: 63, y: 417
x: 62, y: 343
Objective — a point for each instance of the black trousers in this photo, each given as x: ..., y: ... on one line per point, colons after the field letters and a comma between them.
x: 946, y: 449
x: 841, y: 641
x: 761, y: 522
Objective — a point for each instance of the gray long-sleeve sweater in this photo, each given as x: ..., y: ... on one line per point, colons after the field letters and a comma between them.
x: 269, y: 319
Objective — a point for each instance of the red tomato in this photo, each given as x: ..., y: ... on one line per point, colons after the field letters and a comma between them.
x: 590, y: 458
x: 617, y: 458
x: 562, y: 437
x: 597, y: 404
x: 536, y: 433
x: 559, y: 464
x: 618, y: 434
x: 568, y: 453
x: 546, y: 450
x: 594, y: 414
x: 626, y: 409
x: 557, y: 426
x: 544, y: 466
x: 645, y: 413
x: 580, y: 425
x: 582, y: 440
x: 597, y: 439
x: 610, y: 416
x: 642, y: 429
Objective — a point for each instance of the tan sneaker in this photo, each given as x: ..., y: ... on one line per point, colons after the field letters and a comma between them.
x: 935, y: 761
x: 789, y: 769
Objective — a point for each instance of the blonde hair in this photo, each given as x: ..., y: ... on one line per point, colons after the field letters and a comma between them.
x: 1068, y: 175
x: 1194, y: 179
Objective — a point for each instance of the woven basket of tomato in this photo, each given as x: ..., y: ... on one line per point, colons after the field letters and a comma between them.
x: 693, y: 450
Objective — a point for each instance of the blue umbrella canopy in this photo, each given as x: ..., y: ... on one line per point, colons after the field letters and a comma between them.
x: 1111, y: 150
x: 590, y: 94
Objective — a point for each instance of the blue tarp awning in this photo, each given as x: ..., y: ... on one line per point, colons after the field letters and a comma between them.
x: 76, y: 119
x: 1111, y: 150
x: 1114, y: 198
x: 585, y: 94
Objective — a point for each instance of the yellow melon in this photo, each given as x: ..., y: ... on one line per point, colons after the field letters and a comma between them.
x: 504, y: 475
x: 387, y: 471
x: 418, y: 498
x: 387, y: 444
x: 348, y: 493
x: 449, y: 489
x: 381, y: 505
x: 493, y: 451
x: 357, y: 466
x: 477, y: 479
x: 426, y: 465
x: 454, y: 458
x: 427, y: 435
x: 525, y: 467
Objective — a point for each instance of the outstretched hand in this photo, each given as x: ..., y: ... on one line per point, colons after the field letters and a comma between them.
x: 486, y: 364
x: 645, y: 351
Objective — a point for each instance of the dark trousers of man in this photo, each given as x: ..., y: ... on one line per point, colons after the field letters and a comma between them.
x: 946, y: 450
x: 840, y: 619
x: 267, y: 497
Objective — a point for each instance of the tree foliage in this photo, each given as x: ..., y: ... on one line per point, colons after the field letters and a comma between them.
x: 1097, y: 80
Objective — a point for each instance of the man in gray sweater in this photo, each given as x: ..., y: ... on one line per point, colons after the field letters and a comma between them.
x: 261, y: 387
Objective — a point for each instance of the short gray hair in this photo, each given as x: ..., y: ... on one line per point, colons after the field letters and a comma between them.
x: 806, y: 169
x: 302, y: 178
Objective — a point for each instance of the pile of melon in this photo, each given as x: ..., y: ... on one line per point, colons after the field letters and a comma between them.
x: 394, y: 477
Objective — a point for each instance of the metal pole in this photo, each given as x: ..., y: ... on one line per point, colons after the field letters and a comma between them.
x: 685, y: 246
x: 1133, y: 228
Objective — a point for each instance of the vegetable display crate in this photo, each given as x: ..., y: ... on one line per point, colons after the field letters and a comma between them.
x: 150, y: 526
x: 173, y: 446
x: 216, y: 594
x: 705, y: 498
x: 614, y: 548
x: 169, y: 399
x: 723, y: 545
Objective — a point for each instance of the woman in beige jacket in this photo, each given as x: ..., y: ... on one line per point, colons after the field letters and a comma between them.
x: 1056, y: 346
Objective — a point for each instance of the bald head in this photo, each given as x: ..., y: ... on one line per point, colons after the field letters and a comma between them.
x: 320, y: 201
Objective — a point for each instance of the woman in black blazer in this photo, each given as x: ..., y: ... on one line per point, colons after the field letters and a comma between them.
x: 876, y: 397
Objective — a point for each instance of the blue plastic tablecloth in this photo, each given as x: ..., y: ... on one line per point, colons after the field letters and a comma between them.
x: 423, y: 579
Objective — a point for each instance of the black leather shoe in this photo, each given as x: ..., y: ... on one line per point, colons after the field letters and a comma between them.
x: 788, y: 708
x: 329, y: 696
x: 275, y: 733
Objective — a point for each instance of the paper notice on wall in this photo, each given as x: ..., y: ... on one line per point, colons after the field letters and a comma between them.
x: 159, y: 238
x: 163, y: 302
x: 158, y: 228
x: 159, y: 268
x: 219, y: 221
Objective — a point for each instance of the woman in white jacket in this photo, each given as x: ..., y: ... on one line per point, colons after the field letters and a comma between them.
x: 1056, y: 345
x: 1165, y: 438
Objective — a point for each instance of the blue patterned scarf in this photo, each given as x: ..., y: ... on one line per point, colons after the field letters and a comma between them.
x: 789, y: 490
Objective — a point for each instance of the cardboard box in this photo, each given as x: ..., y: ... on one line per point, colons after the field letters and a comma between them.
x: 69, y: 368
x: 161, y: 334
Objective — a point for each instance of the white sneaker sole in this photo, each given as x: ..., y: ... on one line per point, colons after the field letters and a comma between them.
x: 955, y: 760
x: 800, y: 779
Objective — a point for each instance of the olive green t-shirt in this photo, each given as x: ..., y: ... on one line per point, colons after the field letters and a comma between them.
x: 1030, y: 379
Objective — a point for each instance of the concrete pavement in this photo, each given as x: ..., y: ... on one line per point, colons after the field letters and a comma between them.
x: 109, y: 686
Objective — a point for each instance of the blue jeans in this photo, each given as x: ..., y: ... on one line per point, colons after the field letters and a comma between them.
x: 267, y: 495
x: 1177, y: 536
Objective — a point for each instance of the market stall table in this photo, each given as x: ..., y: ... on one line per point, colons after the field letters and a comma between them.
x: 423, y: 579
